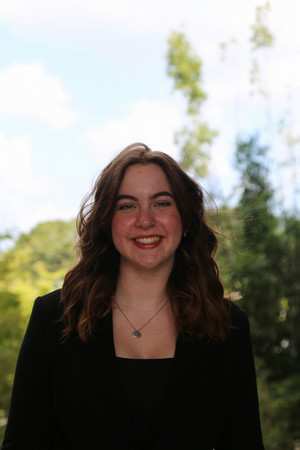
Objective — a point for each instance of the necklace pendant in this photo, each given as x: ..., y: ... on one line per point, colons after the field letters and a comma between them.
x: 136, y: 334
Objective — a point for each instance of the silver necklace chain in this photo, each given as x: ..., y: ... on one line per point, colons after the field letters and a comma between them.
x: 137, y: 331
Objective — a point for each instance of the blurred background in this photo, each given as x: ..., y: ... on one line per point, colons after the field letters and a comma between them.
x: 214, y: 84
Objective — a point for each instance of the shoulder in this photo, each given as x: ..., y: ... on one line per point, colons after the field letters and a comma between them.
x: 50, y: 300
x: 240, y: 336
x: 48, y: 307
x: 44, y: 326
x: 239, y: 316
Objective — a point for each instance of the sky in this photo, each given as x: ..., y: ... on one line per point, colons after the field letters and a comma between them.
x: 82, y: 79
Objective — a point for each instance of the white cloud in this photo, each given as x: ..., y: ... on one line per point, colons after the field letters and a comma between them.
x: 145, y: 16
x: 23, y: 194
x: 150, y: 122
x: 16, y: 174
x: 49, y: 17
x: 43, y: 213
x: 111, y: 24
x: 155, y: 17
x: 28, y: 90
x: 17, y: 181
x: 152, y: 14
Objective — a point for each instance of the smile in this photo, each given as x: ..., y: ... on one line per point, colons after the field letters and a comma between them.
x: 147, y: 240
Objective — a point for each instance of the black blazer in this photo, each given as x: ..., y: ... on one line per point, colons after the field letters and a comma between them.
x: 69, y: 396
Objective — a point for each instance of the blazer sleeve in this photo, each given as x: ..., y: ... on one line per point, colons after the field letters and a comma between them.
x: 30, y: 423
x: 243, y: 430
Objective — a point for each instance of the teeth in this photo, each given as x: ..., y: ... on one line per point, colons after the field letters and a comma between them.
x: 149, y: 240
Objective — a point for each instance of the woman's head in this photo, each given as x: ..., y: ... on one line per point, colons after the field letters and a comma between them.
x: 95, y: 218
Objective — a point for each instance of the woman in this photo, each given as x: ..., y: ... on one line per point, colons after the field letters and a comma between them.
x: 139, y: 350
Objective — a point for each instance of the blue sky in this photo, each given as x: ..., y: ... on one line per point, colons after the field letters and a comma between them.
x: 81, y: 79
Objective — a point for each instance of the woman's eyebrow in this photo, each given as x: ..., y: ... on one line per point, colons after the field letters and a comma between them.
x: 126, y: 197
x: 156, y: 195
x: 162, y: 194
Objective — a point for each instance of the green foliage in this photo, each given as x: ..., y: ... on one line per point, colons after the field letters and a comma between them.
x: 266, y: 270
x: 194, y: 144
x: 261, y: 34
x: 256, y: 265
x: 228, y: 223
x: 259, y: 255
x: 38, y: 261
x: 11, y: 331
x: 194, y: 140
x: 224, y: 47
x: 261, y: 38
x: 35, y: 265
x: 257, y: 194
x: 185, y: 68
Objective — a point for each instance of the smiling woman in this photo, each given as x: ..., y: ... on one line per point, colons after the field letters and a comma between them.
x: 140, y: 349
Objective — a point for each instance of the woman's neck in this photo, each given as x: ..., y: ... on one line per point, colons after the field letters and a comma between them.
x: 141, y: 290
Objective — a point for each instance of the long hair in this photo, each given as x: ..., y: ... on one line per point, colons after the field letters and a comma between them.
x: 194, y: 285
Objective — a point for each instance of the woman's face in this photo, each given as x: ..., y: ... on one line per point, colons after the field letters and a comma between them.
x: 146, y: 226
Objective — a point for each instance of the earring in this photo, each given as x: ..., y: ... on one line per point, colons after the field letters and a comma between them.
x: 185, y: 233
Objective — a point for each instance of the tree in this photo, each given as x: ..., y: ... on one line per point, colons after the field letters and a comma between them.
x: 11, y: 332
x: 256, y: 266
x: 262, y: 39
x: 286, y: 374
x: 194, y: 140
x: 39, y: 260
x: 261, y: 34
x: 266, y: 273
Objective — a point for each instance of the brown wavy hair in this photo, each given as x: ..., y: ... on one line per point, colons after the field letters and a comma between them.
x: 194, y: 285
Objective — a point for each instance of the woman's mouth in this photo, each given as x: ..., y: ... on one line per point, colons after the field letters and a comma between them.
x: 147, y: 241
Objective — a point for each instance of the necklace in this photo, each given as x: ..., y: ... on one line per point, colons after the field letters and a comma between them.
x: 137, y: 332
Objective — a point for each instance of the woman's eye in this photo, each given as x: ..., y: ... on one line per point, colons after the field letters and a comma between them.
x: 127, y: 206
x: 163, y: 204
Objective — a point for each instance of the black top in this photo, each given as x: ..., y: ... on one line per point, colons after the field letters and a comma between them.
x: 69, y: 395
x: 144, y: 382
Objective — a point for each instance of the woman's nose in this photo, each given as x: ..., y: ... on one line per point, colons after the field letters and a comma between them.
x: 145, y: 218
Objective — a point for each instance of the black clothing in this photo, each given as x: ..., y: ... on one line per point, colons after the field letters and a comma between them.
x: 144, y: 382
x: 69, y: 396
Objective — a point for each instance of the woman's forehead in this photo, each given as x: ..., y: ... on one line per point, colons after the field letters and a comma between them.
x: 145, y: 177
